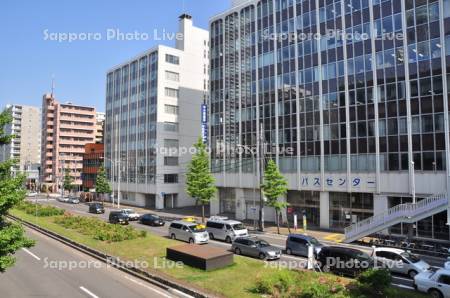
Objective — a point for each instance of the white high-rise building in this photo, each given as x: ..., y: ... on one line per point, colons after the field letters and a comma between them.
x: 26, y: 145
x: 153, y: 109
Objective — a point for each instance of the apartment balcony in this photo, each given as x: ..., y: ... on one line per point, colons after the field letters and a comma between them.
x: 48, y: 171
x: 49, y: 139
x: 78, y: 135
x: 49, y: 154
x: 50, y: 123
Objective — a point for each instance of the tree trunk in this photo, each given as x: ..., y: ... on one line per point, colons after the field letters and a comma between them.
x: 203, y: 212
x: 278, y: 220
x: 287, y: 222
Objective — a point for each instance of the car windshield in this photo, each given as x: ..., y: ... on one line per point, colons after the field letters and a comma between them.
x: 128, y: 211
x: 410, y: 257
x: 197, y: 228
x: 153, y: 216
x: 238, y: 227
x: 314, y: 241
x: 262, y: 243
x: 362, y: 256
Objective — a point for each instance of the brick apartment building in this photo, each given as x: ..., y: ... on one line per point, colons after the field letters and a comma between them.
x: 92, y: 161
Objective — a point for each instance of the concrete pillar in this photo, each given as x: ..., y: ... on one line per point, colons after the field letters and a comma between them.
x: 324, y: 210
x: 380, y: 205
x: 159, y: 201
x: 240, y: 204
x: 140, y: 199
x: 214, y: 204
x: 284, y: 211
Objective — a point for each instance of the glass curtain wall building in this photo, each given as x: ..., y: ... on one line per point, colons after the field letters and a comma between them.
x: 350, y: 97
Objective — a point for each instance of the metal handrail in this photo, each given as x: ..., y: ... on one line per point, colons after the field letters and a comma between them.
x: 407, y: 210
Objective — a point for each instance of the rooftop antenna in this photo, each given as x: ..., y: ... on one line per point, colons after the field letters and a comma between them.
x: 53, y: 84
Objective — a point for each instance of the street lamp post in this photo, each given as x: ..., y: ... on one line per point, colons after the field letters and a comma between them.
x: 413, y: 183
x: 116, y: 164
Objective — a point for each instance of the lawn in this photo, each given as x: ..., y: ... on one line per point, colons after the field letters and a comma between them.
x: 233, y: 281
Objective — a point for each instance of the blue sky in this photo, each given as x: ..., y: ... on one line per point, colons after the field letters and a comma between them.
x: 28, y: 61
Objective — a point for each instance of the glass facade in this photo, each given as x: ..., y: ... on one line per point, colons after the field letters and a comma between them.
x: 131, y: 99
x: 349, y: 86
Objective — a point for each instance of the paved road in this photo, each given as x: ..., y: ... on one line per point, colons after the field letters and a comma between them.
x: 36, y: 274
x: 276, y: 240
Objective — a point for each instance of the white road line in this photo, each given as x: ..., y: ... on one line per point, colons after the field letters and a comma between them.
x: 402, y: 278
x: 147, y: 286
x: 31, y: 254
x: 88, y: 292
x: 403, y: 286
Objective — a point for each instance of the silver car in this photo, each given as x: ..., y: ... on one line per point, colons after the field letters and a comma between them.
x: 189, y: 232
x: 255, y: 247
x: 399, y: 261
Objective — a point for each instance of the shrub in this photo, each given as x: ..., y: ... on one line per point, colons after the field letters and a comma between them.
x: 99, y: 229
x: 278, y: 284
x: 374, y: 283
x: 39, y: 210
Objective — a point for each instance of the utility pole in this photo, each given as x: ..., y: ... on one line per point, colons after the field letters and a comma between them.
x: 261, y: 177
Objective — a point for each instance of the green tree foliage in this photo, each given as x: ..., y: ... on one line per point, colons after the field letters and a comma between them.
x: 274, y: 186
x: 102, y: 185
x: 199, y: 180
x: 12, y: 192
x: 68, y: 181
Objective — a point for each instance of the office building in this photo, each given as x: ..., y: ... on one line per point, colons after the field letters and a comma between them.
x: 66, y: 128
x: 153, y: 105
x: 350, y: 98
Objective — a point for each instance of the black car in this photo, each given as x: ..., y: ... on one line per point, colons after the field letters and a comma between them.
x: 151, y: 220
x: 96, y: 208
x: 344, y: 261
x: 118, y: 217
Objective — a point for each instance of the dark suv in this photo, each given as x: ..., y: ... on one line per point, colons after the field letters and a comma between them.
x: 118, y: 217
x: 344, y: 261
x: 96, y: 208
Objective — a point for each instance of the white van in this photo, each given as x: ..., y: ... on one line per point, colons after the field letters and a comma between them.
x: 188, y: 231
x: 224, y: 229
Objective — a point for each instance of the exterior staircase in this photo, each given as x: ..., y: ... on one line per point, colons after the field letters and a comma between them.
x: 406, y: 213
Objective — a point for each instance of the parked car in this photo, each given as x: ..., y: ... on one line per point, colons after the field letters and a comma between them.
x: 434, y: 283
x: 73, y: 200
x: 151, y: 220
x: 32, y: 194
x: 255, y: 247
x: 224, y: 229
x: 343, y: 260
x: 63, y: 199
x: 189, y: 232
x: 96, y: 208
x: 399, y: 261
x: 118, y: 217
x: 298, y: 244
x: 132, y: 215
x: 190, y: 219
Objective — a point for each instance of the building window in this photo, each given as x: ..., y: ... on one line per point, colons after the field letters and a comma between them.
x: 170, y: 92
x: 171, y: 161
x: 170, y: 178
x: 172, y: 76
x: 172, y: 59
x: 171, y: 126
x: 170, y: 143
x: 171, y: 109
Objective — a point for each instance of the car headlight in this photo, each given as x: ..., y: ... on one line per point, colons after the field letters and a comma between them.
x: 271, y: 253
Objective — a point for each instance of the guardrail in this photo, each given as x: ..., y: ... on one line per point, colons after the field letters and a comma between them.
x: 162, y: 282
x: 395, y: 213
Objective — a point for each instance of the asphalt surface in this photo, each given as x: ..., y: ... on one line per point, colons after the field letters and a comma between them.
x: 44, y: 271
x: 289, y: 261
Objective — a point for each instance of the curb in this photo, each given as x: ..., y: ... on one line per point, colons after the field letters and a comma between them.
x: 171, y: 287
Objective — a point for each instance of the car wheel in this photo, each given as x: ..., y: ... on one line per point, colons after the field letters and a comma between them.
x: 262, y: 256
x: 412, y: 273
x: 228, y: 239
x: 191, y: 241
x: 237, y: 251
x: 211, y: 236
x: 173, y: 237
x: 289, y: 251
x: 435, y: 293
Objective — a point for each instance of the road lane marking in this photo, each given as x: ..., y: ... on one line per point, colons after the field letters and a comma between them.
x: 88, y: 292
x: 403, y: 286
x: 402, y: 278
x: 146, y: 286
x: 31, y: 254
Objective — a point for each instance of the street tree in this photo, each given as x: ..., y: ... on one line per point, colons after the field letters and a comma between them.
x: 12, y: 192
x: 200, y: 183
x: 68, y: 181
x: 274, y: 186
x: 102, y: 185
